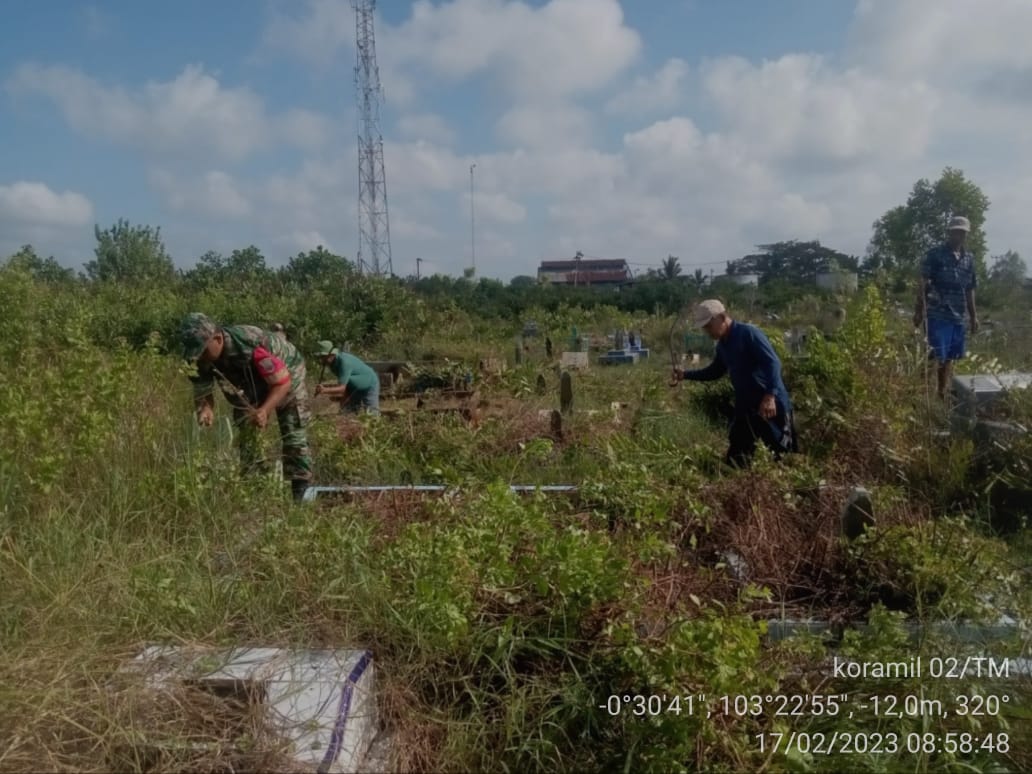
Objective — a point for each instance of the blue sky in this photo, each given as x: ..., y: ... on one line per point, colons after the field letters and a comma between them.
x: 621, y: 129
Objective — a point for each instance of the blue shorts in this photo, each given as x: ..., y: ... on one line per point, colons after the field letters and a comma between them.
x: 946, y: 339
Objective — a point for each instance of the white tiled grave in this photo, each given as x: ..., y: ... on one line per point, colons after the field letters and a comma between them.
x: 979, y: 390
x: 574, y: 360
x: 322, y: 701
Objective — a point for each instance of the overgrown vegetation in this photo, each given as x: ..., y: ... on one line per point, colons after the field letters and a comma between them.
x: 502, y: 625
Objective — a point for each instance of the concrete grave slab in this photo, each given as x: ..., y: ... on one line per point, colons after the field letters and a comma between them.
x: 321, y: 701
x: 574, y: 360
x: 618, y: 356
x: 976, y: 391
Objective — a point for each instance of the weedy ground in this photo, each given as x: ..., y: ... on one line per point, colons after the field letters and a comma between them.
x: 502, y: 624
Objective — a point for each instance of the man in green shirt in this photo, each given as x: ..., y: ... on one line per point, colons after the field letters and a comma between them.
x: 358, y: 386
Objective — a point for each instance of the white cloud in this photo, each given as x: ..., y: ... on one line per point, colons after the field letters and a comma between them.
x: 562, y: 47
x: 303, y: 242
x: 661, y: 91
x: 214, y: 194
x: 316, y: 33
x: 96, y: 23
x: 425, y: 127
x: 423, y: 167
x: 405, y: 228
x: 942, y: 41
x: 188, y: 115
x: 798, y: 147
x: 798, y: 107
x: 496, y: 207
x: 33, y: 203
x: 544, y: 125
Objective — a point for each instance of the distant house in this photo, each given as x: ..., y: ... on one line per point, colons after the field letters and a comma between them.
x: 585, y: 272
x: 743, y: 280
x: 837, y: 281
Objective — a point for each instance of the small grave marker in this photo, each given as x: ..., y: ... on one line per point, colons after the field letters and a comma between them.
x: 858, y: 513
x: 574, y: 360
x: 566, y: 392
x: 556, y: 424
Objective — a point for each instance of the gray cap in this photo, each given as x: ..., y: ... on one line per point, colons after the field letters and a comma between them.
x: 707, y: 310
x: 959, y: 223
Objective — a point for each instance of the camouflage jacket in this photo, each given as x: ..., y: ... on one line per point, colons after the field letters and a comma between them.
x: 253, y: 361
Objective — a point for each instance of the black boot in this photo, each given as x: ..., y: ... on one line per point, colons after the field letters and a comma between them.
x: 298, y: 487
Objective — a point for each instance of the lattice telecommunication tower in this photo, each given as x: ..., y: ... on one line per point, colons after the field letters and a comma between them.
x: 374, y: 232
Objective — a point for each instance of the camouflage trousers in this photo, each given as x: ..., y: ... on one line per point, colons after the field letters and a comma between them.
x: 293, y: 416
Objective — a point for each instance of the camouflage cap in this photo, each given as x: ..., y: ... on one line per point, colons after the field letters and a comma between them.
x: 195, y: 331
x: 324, y: 348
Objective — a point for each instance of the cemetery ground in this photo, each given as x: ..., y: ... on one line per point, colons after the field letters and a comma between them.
x: 624, y: 626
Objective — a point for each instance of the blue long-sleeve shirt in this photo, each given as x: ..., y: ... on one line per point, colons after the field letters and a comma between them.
x: 748, y: 357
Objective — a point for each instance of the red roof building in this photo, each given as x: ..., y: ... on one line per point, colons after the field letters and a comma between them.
x: 585, y: 271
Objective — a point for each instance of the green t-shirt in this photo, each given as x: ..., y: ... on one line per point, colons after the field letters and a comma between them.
x: 351, y: 371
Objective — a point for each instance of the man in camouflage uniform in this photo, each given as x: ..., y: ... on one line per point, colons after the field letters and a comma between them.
x: 258, y: 372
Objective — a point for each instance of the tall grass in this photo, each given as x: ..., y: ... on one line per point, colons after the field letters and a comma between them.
x: 499, y: 624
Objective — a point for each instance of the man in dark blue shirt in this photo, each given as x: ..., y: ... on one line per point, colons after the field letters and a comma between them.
x: 762, y: 407
x: 945, y: 292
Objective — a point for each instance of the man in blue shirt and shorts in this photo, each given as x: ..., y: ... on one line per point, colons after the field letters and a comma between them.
x: 762, y: 410
x: 946, y: 290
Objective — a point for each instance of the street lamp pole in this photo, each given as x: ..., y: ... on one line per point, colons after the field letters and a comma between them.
x: 472, y: 221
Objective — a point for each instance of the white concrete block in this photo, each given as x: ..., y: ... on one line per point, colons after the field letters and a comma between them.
x: 574, y: 360
x: 322, y: 701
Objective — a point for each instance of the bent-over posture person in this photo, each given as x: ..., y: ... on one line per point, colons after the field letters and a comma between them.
x: 762, y: 409
x: 358, y: 385
x: 259, y: 373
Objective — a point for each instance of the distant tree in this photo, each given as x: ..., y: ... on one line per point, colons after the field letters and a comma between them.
x: 246, y: 264
x: 670, y: 268
x: 523, y: 281
x: 317, y: 267
x: 792, y: 262
x: 42, y: 269
x: 1008, y: 269
x: 905, y: 233
x: 698, y: 280
x: 131, y: 254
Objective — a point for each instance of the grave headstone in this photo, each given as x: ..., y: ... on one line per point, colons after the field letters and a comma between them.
x: 548, y: 347
x: 556, y: 424
x: 541, y: 385
x: 736, y: 565
x: 566, y: 392
x: 858, y: 513
x: 492, y: 365
x: 518, y: 352
x: 574, y: 360
x: 618, y: 340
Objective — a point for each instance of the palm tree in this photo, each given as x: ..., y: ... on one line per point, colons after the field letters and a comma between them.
x: 699, y: 280
x: 670, y: 268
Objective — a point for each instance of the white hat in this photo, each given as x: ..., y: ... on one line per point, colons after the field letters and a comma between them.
x: 707, y: 310
x: 959, y: 223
